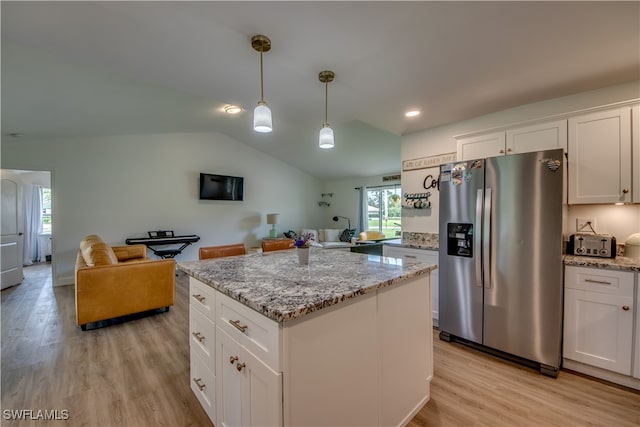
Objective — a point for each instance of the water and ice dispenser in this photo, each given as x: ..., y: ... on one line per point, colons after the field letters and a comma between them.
x: 460, y: 239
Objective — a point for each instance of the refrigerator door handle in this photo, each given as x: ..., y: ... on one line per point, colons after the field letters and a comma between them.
x: 477, y: 238
x: 486, y: 239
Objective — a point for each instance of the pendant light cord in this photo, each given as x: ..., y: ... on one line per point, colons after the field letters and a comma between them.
x: 326, y: 102
x: 261, y: 80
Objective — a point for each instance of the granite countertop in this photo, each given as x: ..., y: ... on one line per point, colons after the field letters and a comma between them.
x: 617, y: 263
x: 414, y: 240
x: 274, y: 285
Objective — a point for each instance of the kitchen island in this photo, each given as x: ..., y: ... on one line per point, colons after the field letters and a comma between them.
x: 345, y: 340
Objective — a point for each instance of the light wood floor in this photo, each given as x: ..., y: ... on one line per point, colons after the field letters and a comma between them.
x: 137, y: 373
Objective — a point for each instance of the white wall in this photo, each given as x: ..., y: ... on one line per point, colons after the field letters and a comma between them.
x: 123, y: 186
x: 442, y: 140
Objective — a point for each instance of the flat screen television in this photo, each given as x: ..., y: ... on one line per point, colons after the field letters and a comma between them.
x: 221, y: 187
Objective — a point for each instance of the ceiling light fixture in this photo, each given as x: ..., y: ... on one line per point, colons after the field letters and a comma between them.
x: 326, y: 133
x: 412, y: 113
x: 262, y: 114
x: 232, y: 109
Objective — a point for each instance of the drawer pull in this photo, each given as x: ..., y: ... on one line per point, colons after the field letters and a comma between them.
x: 239, y: 366
x: 238, y: 326
x: 233, y: 359
x: 625, y: 307
x: 411, y: 256
x: 199, y: 383
x: 600, y: 282
x: 198, y: 336
x: 199, y: 297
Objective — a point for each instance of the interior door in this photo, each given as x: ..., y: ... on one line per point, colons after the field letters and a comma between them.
x: 11, y: 239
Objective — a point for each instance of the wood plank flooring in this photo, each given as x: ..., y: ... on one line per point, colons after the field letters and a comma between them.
x: 137, y: 373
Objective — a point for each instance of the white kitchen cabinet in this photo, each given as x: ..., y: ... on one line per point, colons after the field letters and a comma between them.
x: 598, y: 318
x: 365, y: 361
x: 202, y: 345
x: 419, y: 255
x: 524, y: 139
x: 600, y: 157
x: 481, y: 146
x: 249, y: 392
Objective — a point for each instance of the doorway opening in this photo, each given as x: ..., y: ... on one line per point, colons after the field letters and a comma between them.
x: 27, y: 222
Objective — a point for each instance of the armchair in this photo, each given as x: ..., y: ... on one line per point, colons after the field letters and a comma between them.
x: 119, y: 280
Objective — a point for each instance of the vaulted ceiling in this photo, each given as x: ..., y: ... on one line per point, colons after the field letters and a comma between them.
x: 104, y: 68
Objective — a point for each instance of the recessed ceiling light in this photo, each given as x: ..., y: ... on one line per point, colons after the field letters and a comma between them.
x: 232, y: 109
x: 412, y: 113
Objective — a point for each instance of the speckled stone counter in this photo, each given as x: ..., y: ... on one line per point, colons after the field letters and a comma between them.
x: 414, y: 240
x: 273, y: 283
x: 617, y: 263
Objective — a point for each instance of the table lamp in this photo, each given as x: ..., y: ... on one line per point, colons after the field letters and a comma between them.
x: 273, y: 220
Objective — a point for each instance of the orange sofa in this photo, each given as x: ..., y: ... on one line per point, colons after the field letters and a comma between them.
x: 114, y: 281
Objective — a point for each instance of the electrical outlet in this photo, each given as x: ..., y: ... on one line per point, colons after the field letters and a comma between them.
x: 586, y: 225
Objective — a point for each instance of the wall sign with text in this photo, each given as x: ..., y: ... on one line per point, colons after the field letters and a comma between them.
x: 428, y: 162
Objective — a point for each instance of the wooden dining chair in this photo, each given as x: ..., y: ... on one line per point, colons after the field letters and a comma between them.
x: 277, y: 245
x: 222, y: 251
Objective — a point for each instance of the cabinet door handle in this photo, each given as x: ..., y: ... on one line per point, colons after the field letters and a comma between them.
x: 233, y: 359
x: 199, y: 297
x: 239, y: 366
x: 600, y: 282
x: 625, y: 307
x: 238, y: 326
x: 198, y: 336
x: 199, y: 383
x: 625, y: 190
x: 501, y: 151
x: 509, y: 150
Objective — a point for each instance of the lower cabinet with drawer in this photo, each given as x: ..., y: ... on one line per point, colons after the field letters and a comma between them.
x: 336, y: 366
x: 419, y: 255
x: 599, y: 314
x: 202, y: 345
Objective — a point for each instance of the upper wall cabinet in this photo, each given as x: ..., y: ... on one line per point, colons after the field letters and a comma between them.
x: 541, y: 136
x: 600, y: 157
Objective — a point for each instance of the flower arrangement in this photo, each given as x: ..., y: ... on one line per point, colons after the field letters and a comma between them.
x: 304, y: 240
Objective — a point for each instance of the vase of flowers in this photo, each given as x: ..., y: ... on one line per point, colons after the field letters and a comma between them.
x: 303, y: 245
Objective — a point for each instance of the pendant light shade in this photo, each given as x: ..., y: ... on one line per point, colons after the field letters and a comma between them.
x: 262, y: 118
x: 262, y: 114
x: 326, y: 136
x: 326, y: 133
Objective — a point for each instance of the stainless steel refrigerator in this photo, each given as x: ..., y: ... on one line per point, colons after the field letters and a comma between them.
x: 501, y: 255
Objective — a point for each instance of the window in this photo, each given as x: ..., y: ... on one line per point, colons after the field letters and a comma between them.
x: 384, y: 210
x: 46, y: 211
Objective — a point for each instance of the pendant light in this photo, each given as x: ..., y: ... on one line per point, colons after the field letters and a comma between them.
x: 326, y: 133
x: 262, y: 114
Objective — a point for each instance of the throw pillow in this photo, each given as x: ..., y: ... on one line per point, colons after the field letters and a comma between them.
x: 290, y: 234
x: 347, y: 234
x: 332, y: 234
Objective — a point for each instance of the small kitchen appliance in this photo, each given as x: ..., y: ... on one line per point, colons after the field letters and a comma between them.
x: 632, y: 247
x: 596, y: 245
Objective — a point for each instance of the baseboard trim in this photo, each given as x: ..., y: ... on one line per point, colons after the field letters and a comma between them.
x: 603, y: 374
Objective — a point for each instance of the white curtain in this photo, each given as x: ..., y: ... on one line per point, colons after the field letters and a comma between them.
x: 32, y: 223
